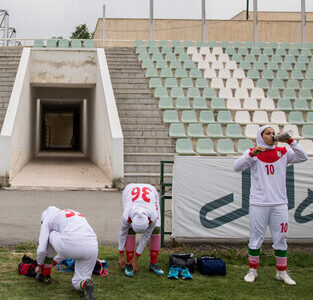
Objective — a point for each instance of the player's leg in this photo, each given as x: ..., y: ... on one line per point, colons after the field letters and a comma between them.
x: 278, y: 223
x: 258, y: 222
x: 155, y: 243
x: 130, y: 246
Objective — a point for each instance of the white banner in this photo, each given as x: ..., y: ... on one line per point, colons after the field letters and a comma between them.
x: 211, y: 200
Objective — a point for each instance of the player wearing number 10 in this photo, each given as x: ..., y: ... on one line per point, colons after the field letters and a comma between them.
x: 141, y: 215
x: 268, y: 197
x: 68, y: 233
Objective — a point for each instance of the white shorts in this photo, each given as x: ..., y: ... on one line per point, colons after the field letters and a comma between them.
x: 276, y: 217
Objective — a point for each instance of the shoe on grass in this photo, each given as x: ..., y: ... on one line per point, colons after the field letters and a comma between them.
x: 88, y: 290
x: 283, y: 276
x: 173, y: 272
x: 156, y: 269
x: 129, y: 272
x: 184, y: 273
x: 251, y: 276
x: 45, y: 280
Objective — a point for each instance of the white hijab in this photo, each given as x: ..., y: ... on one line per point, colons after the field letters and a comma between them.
x: 259, y: 138
x: 51, y: 210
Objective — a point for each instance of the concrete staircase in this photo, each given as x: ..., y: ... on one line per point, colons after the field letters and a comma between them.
x: 9, y: 61
x: 146, y: 140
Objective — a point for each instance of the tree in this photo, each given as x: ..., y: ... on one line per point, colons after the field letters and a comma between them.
x: 81, y: 32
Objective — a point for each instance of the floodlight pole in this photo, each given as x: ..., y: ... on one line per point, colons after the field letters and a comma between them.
x: 6, y: 28
x: 103, y: 26
x: 151, y: 20
x: 255, y: 21
x: 247, y: 11
x: 303, y: 21
x: 203, y: 21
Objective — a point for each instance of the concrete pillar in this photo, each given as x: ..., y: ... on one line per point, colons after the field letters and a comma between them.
x: 203, y: 21
x: 103, y: 27
x: 38, y: 126
x: 303, y: 22
x: 151, y: 20
x: 255, y: 21
x: 84, y: 135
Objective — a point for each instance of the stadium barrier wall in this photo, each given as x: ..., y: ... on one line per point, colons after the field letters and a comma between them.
x: 17, y: 137
x: 211, y: 200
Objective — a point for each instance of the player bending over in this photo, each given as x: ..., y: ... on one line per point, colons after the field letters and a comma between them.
x: 68, y: 233
x: 141, y: 215
x: 268, y: 198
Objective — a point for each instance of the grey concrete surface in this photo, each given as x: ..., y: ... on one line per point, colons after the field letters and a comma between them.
x: 20, y: 213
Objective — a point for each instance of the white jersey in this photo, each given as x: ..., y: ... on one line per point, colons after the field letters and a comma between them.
x: 268, y: 171
x: 70, y: 224
x: 146, y: 198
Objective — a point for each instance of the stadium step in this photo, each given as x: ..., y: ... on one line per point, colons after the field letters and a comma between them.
x: 125, y: 106
x: 140, y: 120
x: 151, y: 178
x: 156, y: 133
x: 148, y: 140
x: 147, y: 167
x: 140, y: 112
x: 137, y: 148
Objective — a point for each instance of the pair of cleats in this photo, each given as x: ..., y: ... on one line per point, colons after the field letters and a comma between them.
x: 176, y: 271
x: 129, y: 272
x: 280, y: 275
x: 45, y: 280
x: 88, y: 290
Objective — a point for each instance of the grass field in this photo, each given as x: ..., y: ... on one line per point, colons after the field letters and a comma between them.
x: 146, y: 285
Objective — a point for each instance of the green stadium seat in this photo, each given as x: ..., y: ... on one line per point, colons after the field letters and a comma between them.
x: 268, y: 74
x: 233, y: 131
x: 138, y: 43
x: 199, y: 103
x: 152, y: 72
x: 285, y: 45
x: 282, y: 74
x: 200, y: 44
x: 165, y: 103
x: 187, y: 44
x: 297, y: 46
x: 278, y: 83
x: 182, y: 103
x: 276, y: 58
x: 296, y: 117
x: 139, y: 49
x: 309, y: 117
x: 195, y: 130
x: 188, y: 116
x: 273, y: 45
x: 250, y: 58
x: 175, y: 64
x: 153, y: 50
x: 155, y: 82
x: 215, y: 131
x: 237, y: 58
x: 189, y: 64
x: 292, y: 84
x: 76, y: 43
x: 166, y: 49
x: 166, y: 72
x: 303, y: 59
x: 263, y: 58
x: 245, y: 65
x: 210, y: 93
x: 170, y: 82
x: 295, y: 74
x: 225, y: 146
x: 195, y: 73
x: 193, y: 92
x: 284, y: 104
x: 273, y: 93
x: 150, y: 43
x: 301, y: 104
x: 177, y: 92
x: 262, y: 83
x: 293, y: 52
x: 205, y: 147
x: 179, y: 50
x: 51, y: 43
x: 186, y: 82
x: 160, y: 64
x: 289, y: 94
x: 38, y: 43
x: 235, y: 45
x: 184, y: 147
x: 255, y: 51
x: 268, y: 51
x: 147, y: 63
x: 290, y: 58
x: 217, y: 103
x: 305, y: 94
x: 201, y: 83
x: 280, y: 52
x: 243, y: 51
x: 206, y: 116
x: 156, y: 56
x: 259, y: 65
x: 261, y: 45
x: 244, y: 144
x: 183, y: 57
x: 163, y: 43
x: 170, y: 116
x: 170, y: 56
x: 63, y: 43
x: 160, y: 92
x: 249, y: 45
x: 175, y: 43
x: 307, y: 131
x: 307, y: 83
x: 224, y: 117
x: 253, y: 74
x: 230, y: 51
x: 177, y: 130
x: 143, y: 56
x: 309, y: 74
x: 286, y: 65
x: 88, y: 43
x: 180, y: 73
x: 299, y: 66
x: 306, y: 51
x: 272, y: 66
x: 224, y: 44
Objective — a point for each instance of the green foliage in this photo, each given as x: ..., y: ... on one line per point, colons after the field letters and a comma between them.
x: 146, y: 285
x: 81, y: 32
x: 57, y: 37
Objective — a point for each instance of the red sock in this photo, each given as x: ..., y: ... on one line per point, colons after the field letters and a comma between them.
x: 46, y: 270
x: 130, y: 247
x: 155, y: 242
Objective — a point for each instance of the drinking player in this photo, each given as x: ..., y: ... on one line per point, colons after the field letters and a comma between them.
x: 268, y: 197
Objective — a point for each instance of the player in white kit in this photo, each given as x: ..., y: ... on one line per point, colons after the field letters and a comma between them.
x: 141, y: 215
x: 268, y: 198
x: 67, y: 233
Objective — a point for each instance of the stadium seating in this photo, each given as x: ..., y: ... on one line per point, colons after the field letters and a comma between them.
x: 218, y: 94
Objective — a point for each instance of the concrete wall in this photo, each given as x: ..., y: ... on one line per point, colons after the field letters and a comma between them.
x: 216, y: 30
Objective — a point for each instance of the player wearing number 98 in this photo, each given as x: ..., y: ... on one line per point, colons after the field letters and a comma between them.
x: 141, y: 215
x: 68, y: 233
x: 268, y: 198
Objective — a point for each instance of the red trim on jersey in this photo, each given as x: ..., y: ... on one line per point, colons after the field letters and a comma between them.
x: 150, y: 221
x: 272, y: 155
x: 129, y: 220
x: 250, y: 153
x: 137, y: 254
x: 122, y: 251
x: 290, y: 141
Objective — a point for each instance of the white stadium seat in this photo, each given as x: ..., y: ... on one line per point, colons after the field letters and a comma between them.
x: 203, y: 64
x: 239, y: 74
x: 217, y: 65
x: 267, y: 104
x: 241, y: 93
x: 257, y: 93
x: 233, y: 104
x: 205, y: 50
x: 231, y: 65
x: 210, y: 57
x: 294, y: 129
x: 260, y: 117
x: 224, y: 74
x: 225, y: 93
x: 217, y: 83
x: 223, y: 57
x: 278, y: 117
x: 217, y: 50
x: 250, y: 104
x: 197, y: 57
x: 251, y: 130
x: 242, y: 117
x: 192, y: 50
x: 307, y: 146
x: 209, y: 73
x: 247, y: 83
x: 232, y: 83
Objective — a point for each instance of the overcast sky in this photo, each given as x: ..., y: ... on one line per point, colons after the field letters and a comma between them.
x: 46, y: 18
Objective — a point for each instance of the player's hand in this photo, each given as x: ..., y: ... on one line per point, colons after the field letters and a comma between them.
x: 134, y: 263
x: 38, y: 270
x: 122, y: 262
x: 258, y: 149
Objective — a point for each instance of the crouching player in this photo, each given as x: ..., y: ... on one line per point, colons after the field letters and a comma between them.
x: 268, y: 197
x: 141, y: 215
x: 68, y: 233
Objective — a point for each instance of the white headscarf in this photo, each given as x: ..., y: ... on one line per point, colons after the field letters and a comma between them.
x: 259, y: 138
x: 51, y: 210
x: 140, y: 221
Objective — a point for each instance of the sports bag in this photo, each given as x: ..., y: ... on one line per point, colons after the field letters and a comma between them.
x: 100, y: 268
x: 208, y: 265
x: 182, y: 260
x: 27, y: 267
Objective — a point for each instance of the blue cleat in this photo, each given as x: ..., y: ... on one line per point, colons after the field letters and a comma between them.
x: 129, y: 272
x: 173, y: 272
x: 184, y: 273
x: 156, y: 269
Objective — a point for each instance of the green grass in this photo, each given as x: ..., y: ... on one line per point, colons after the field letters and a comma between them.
x: 146, y: 285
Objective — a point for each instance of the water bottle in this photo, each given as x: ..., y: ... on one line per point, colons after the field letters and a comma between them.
x: 283, y: 135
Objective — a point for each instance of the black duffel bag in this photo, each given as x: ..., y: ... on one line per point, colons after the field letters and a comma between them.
x: 208, y: 265
x: 182, y: 260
